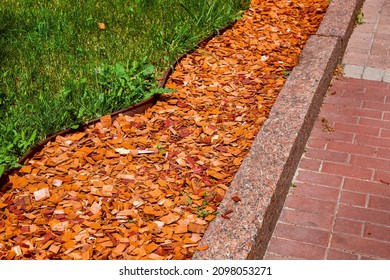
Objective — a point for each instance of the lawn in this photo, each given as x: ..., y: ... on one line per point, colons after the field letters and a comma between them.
x: 65, y: 62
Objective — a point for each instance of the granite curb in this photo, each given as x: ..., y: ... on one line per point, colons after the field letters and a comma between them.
x: 263, y: 179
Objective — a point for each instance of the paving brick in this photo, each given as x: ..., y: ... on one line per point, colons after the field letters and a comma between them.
x: 361, y: 129
x: 365, y: 258
x: 370, y: 162
x: 333, y: 135
x: 375, y: 114
x: 379, y: 49
x: 379, y: 203
x: 386, y: 116
x: 363, y: 95
x: 353, y: 70
x: 384, y: 91
x: 333, y: 254
x: 371, y: 73
x: 377, y: 232
x: 382, y: 177
x: 376, y: 106
x: 386, y: 76
x: 371, y: 141
x: 351, y: 148
x: 364, y: 214
x: 328, y: 180
x: 352, y: 198
x: 326, y: 155
x: 383, y: 153
x: 355, y: 56
x: 310, y: 204
x: 341, y: 100
x: 310, y: 164
x: 272, y: 256
x: 307, y: 219
x: 330, y: 108
x: 375, y: 123
x: 315, y: 191
x: 367, y: 187
x: 296, y: 249
x: 333, y: 117
x: 346, y: 170
x: 348, y: 226
x: 385, y: 133
x: 317, y: 143
x: 364, y: 84
x: 302, y: 234
x: 361, y: 245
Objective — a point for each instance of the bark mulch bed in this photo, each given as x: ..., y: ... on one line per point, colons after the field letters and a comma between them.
x: 146, y: 187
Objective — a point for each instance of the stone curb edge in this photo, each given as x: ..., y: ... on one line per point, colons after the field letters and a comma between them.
x: 263, y: 180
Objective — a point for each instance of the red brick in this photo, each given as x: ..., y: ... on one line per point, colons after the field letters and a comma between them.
x: 370, y: 162
x: 386, y: 116
x: 326, y: 155
x: 302, y: 234
x: 365, y: 258
x: 333, y: 135
x: 383, y: 153
x: 369, y: 187
x: 383, y: 178
x: 379, y: 203
x: 354, y: 83
x: 272, y: 256
x: 307, y: 219
x: 364, y: 214
x: 360, y: 129
x: 360, y: 95
x: 361, y: 245
x: 374, y: 123
x: 346, y: 170
x: 385, y: 133
x: 348, y: 226
x: 352, y: 198
x: 360, y: 112
x: 341, y: 100
x: 378, y: 91
x: 316, y: 143
x: 339, y: 255
x: 329, y: 108
x: 310, y: 164
x: 328, y: 180
x: 351, y: 148
x: 372, y: 141
x: 332, y: 117
x: 310, y: 204
x: 376, y: 106
x: 315, y: 191
x: 296, y: 249
x: 377, y: 232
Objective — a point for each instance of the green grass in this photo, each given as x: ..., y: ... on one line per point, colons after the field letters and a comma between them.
x: 58, y: 69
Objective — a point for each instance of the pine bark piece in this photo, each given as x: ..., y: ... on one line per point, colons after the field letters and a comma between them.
x: 41, y: 194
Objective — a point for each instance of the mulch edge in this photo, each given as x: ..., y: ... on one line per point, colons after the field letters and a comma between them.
x: 264, y: 178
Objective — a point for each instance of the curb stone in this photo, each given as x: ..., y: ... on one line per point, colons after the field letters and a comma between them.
x: 263, y: 179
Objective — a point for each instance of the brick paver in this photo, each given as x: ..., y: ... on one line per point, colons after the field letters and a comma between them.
x: 339, y: 205
x: 368, y: 52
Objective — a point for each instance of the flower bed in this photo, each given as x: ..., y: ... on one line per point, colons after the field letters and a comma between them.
x: 146, y: 187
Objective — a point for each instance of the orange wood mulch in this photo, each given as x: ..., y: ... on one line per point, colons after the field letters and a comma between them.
x: 146, y: 187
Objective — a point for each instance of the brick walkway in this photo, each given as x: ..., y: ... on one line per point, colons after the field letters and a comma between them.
x: 368, y: 53
x: 339, y: 204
